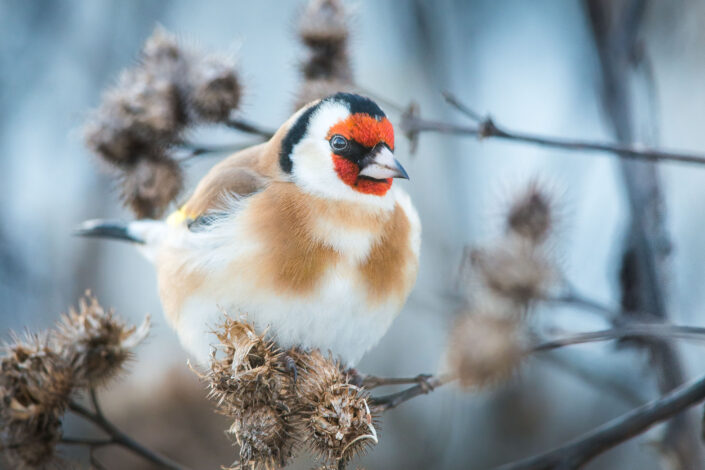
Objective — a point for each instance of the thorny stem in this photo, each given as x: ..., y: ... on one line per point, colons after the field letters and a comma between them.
x: 411, y: 125
x: 116, y: 436
x: 577, y: 453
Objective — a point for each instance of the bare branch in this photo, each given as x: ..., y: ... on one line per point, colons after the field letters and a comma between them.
x: 633, y: 330
x: 387, y: 402
x: 577, y: 453
x: 412, y: 125
x: 117, y: 437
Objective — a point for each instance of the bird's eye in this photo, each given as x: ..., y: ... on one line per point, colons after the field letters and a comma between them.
x: 338, y: 143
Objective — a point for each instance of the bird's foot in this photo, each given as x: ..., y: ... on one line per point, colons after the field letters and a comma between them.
x: 424, y: 381
x: 290, y: 367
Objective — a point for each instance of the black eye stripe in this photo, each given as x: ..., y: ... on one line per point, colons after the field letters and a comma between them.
x: 354, y: 152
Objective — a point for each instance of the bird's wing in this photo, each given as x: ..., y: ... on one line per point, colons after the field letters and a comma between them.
x: 238, y: 176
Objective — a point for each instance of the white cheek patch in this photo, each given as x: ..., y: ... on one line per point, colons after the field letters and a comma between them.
x: 313, y: 169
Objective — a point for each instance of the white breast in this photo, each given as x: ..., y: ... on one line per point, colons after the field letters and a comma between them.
x: 334, y: 317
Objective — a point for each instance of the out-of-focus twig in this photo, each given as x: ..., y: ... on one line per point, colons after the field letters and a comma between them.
x: 632, y: 330
x: 117, y: 437
x: 249, y: 127
x: 195, y: 150
x: 411, y: 125
x: 577, y: 453
x: 644, y: 274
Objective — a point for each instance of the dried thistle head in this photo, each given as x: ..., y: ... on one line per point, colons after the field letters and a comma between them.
x: 35, y: 387
x: 151, y: 185
x: 485, y: 349
x: 216, y: 88
x: 514, y: 271
x: 323, y: 29
x: 531, y: 214
x: 264, y: 436
x: 248, y: 382
x: 95, y: 342
x: 248, y: 371
x: 164, y: 55
x: 338, y: 422
x: 143, y: 110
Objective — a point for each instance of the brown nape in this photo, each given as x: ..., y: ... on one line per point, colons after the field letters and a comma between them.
x: 387, y: 272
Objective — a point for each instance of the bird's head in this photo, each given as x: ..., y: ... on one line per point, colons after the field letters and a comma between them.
x: 341, y: 147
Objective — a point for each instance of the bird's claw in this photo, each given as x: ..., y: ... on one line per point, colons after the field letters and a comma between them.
x: 424, y: 382
x: 290, y: 367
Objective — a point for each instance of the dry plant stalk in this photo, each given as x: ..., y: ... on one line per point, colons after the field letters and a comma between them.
x: 40, y: 373
x: 251, y: 381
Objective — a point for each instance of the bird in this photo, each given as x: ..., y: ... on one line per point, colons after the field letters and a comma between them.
x: 304, y: 235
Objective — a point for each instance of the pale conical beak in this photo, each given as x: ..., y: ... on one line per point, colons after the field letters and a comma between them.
x: 382, y: 165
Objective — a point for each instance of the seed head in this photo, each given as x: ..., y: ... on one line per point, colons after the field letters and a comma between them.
x: 530, y: 215
x: 151, y: 185
x: 216, y: 88
x: 338, y: 422
x: 35, y: 386
x: 142, y: 111
x: 485, y: 349
x: 323, y: 29
x: 514, y: 271
x: 264, y: 437
x: 95, y: 342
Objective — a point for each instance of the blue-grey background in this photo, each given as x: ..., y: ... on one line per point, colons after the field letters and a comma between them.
x: 532, y: 65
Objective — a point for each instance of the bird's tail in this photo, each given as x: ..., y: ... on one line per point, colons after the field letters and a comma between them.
x: 103, y: 228
x: 148, y: 234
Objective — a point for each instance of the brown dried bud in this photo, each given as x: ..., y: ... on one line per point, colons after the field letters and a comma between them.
x: 162, y: 54
x: 248, y: 382
x: 530, y: 216
x: 264, y: 438
x: 95, y: 342
x: 216, y: 88
x: 142, y: 111
x: 514, y: 271
x: 151, y: 185
x: 485, y: 349
x: 338, y: 422
x: 324, y: 31
x: 35, y: 387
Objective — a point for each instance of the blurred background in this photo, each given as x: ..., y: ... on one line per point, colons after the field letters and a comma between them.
x: 533, y: 66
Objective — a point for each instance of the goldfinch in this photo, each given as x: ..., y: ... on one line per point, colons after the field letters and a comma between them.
x: 305, y: 235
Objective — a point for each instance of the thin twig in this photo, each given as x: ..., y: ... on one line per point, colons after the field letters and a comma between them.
x: 195, y: 150
x: 387, y: 402
x: 120, y: 438
x: 372, y: 381
x: 75, y: 441
x: 249, y: 127
x: 411, y: 125
x: 577, y: 453
x: 633, y: 330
